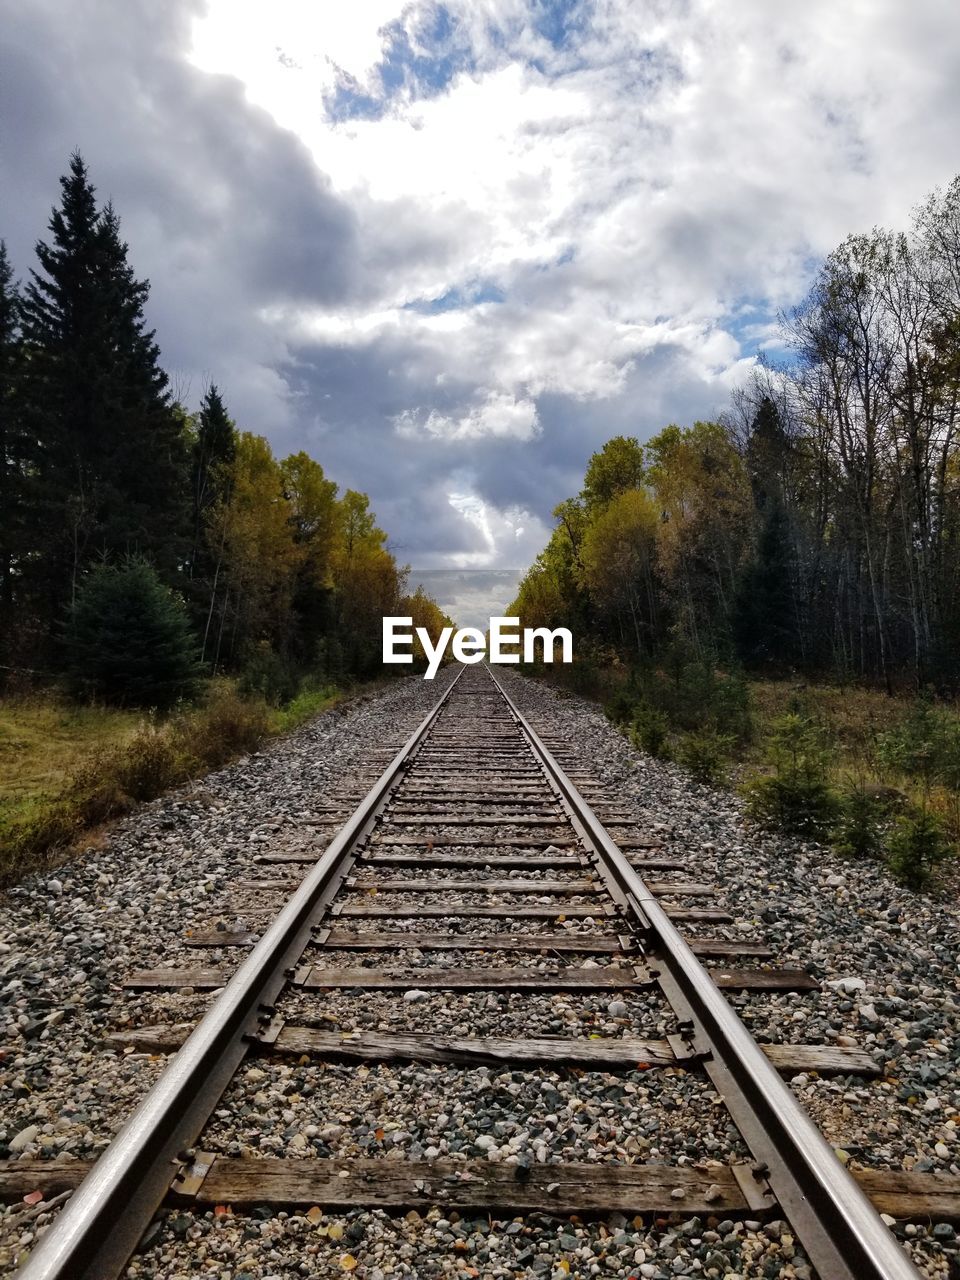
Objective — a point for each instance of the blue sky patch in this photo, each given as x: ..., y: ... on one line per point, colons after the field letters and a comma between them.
x: 556, y: 21
x: 422, y: 72
x: 457, y: 299
x: 744, y: 319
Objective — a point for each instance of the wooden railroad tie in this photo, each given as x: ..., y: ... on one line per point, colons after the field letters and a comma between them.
x: 672, y: 887
x: 502, y: 1189
x: 427, y: 860
x: 584, y: 943
x: 562, y: 840
x: 612, y: 1053
x: 458, y: 979
x: 432, y: 911
x: 367, y: 883
x: 560, y: 911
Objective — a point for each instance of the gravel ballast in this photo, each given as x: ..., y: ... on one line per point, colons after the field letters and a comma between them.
x: 67, y: 940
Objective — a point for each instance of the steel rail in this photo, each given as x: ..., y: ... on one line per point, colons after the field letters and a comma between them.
x: 101, y: 1225
x: 840, y: 1229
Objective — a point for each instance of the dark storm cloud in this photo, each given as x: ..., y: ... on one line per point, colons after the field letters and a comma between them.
x: 222, y: 208
x: 346, y: 400
x: 609, y: 205
x: 550, y: 468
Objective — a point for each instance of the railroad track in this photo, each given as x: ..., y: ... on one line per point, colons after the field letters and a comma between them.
x: 482, y: 859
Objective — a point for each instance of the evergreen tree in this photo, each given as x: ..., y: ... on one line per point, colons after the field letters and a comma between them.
x: 214, y: 449
x: 213, y: 455
x: 764, y: 619
x: 111, y: 452
x: 12, y: 455
x: 767, y: 454
x: 128, y: 639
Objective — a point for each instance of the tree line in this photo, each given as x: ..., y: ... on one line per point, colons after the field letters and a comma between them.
x: 815, y: 526
x: 117, y: 504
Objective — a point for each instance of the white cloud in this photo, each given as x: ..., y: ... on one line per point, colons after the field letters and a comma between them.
x: 625, y: 193
x: 287, y: 51
x: 500, y: 532
x: 499, y: 417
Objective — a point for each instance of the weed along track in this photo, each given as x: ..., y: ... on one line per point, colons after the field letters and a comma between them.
x: 487, y: 1007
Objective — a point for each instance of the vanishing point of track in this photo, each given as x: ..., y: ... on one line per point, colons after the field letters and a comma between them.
x: 475, y: 792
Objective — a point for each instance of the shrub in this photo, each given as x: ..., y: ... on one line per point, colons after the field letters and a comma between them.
x: 917, y: 845
x: 649, y: 730
x: 704, y: 754
x: 924, y: 746
x: 128, y: 640
x: 268, y: 675
x: 801, y: 806
x: 797, y: 797
x: 153, y: 761
x: 863, y: 815
x: 228, y: 726
x: 620, y: 707
x: 731, y: 709
x: 694, y: 696
x: 309, y: 702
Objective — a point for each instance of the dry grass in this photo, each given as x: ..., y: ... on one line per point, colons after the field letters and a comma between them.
x: 852, y: 717
x: 64, y: 770
x: 43, y: 743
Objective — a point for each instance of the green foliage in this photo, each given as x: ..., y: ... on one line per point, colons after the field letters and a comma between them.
x: 128, y: 640
x: 213, y: 451
x: 15, y: 449
x: 619, y: 708
x: 282, y: 576
x: 791, y: 531
x: 731, y: 709
x: 765, y: 615
x: 229, y: 724
x: 613, y: 470
x: 864, y: 814
x: 111, y: 455
x: 924, y: 746
x: 797, y: 797
x: 267, y: 674
x: 311, y: 699
x: 649, y: 730
x: 916, y: 847
x: 693, y: 695
x: 704, y: 754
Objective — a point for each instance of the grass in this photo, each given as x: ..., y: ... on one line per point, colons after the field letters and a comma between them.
x: 309, y: 702
x: 870, y: 774
x: 851, y: 717
x: 854, y: 721
x: 66, y: 769
x: 43, y: 741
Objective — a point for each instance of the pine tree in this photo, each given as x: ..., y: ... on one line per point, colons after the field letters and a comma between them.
x: 11, y: 461
x: 767, y: 452
x: 764, y: 619
x: 128, y: 639
x: 111, y: 453
x: 214, y: 450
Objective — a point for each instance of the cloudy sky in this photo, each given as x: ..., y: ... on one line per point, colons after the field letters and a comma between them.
x: 449, y: 248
